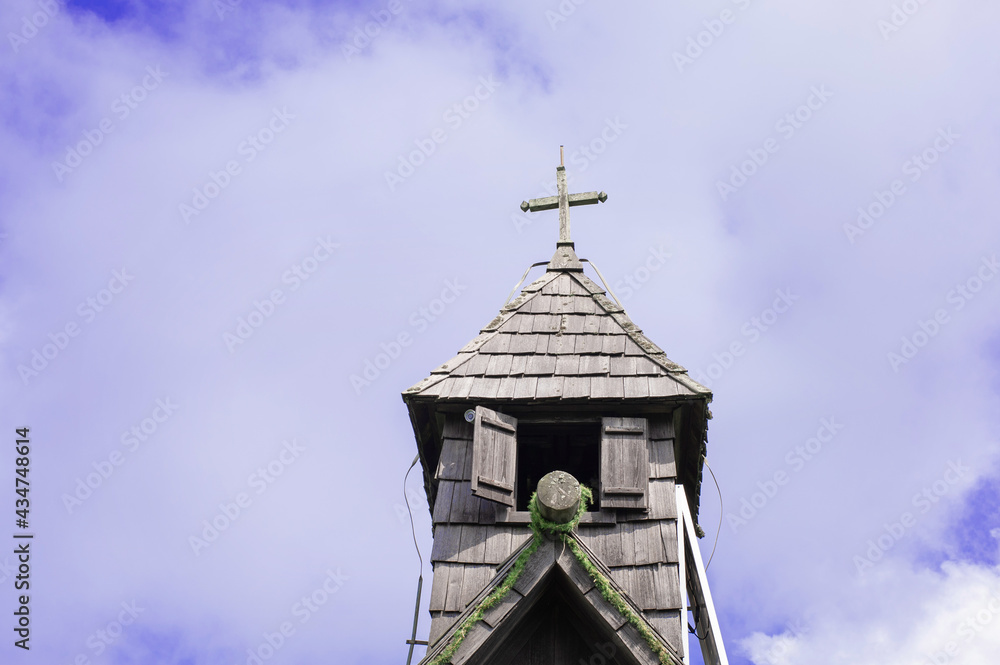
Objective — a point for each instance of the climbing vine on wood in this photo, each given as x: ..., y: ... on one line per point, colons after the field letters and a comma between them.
x: 540, y: 526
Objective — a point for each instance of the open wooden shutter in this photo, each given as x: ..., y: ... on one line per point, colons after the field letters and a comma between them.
x: 494, y: 450
x: 624, y: 463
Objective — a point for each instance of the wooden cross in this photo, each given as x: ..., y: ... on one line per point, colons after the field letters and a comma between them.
x: 564, y: 200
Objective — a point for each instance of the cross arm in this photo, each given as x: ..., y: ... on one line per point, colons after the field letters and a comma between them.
x: 552, y: 202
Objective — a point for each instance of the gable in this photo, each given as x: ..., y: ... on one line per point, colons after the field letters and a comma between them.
x: 504, y: 626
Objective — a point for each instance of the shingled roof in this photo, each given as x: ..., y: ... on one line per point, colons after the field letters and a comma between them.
x: 561, y: 339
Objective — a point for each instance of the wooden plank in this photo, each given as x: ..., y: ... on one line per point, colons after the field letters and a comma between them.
x: 439, y: 588
x: 643, y: 593
x: 607, y: 387
x: 576, y: 386
x: 637, y: 646
x: 542, y: 344
x: 613, y: 344
x: 568, y: 365
x: 627, y: 533
x: 668, y: 534
x: 561, y: 344
x: 650, y: 532
x: 477, y: 365
x: 498, y: 545
x: 549, y: 387
x: 440, y: 623
x: 523, y: 344
x: 517, y: 365
x: 453, y: 597
x: 664, y: 386
x: 488, y: 512
x: 661, y: 427
x: 506, y: 389
x: 585, y: 305
x: 484, y: 388
x: 525, y: 322
x: 662, y: 499
x: 499, y: 365
x: 538, y: 365
x: 460, y: 387
x: 572, y: 324
x: 447, y: 543
x: 636, y: 387
x: 589, y: 344
x: 623, y: 366
x: 644, y: 366
x: 667, y: 586
x: 464, y: 505
x: 525, y: 387
x: 545, y: 323
x: 499, y: 344
x: 574, y: 570
x: 594, y: 364
x: 474, y: 580
x: 609, y: 326
x: 611, y: 545
x: 456, y: 427
x: 452, y: 463
x: 472, y: 548
x: 668, y: 624
x: 607, y: 611
x: 496, y: 614
x: 442, y: 503
x: 633, y: 349
x: 661, y: 459
x: 539, y: 563
x: 592, y: 324
x: 540, y: 304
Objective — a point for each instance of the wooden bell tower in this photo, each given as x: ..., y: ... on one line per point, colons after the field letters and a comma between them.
x: 562, y: 380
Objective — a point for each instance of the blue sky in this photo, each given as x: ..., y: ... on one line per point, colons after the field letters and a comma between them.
x: 214, y: 214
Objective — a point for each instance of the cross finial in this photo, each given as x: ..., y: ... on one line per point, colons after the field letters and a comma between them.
x: 563, y: 200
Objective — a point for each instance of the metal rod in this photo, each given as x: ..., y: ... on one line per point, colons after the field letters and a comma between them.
x: 512, y: 291
x: 416, y: 614
x: 603, y: 281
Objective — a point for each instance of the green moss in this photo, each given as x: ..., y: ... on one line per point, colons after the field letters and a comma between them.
x: 539, y: 527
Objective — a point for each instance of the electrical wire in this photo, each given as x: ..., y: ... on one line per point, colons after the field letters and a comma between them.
x: 413, y: 529
x: 420, y: 579
x: 721, y: 512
